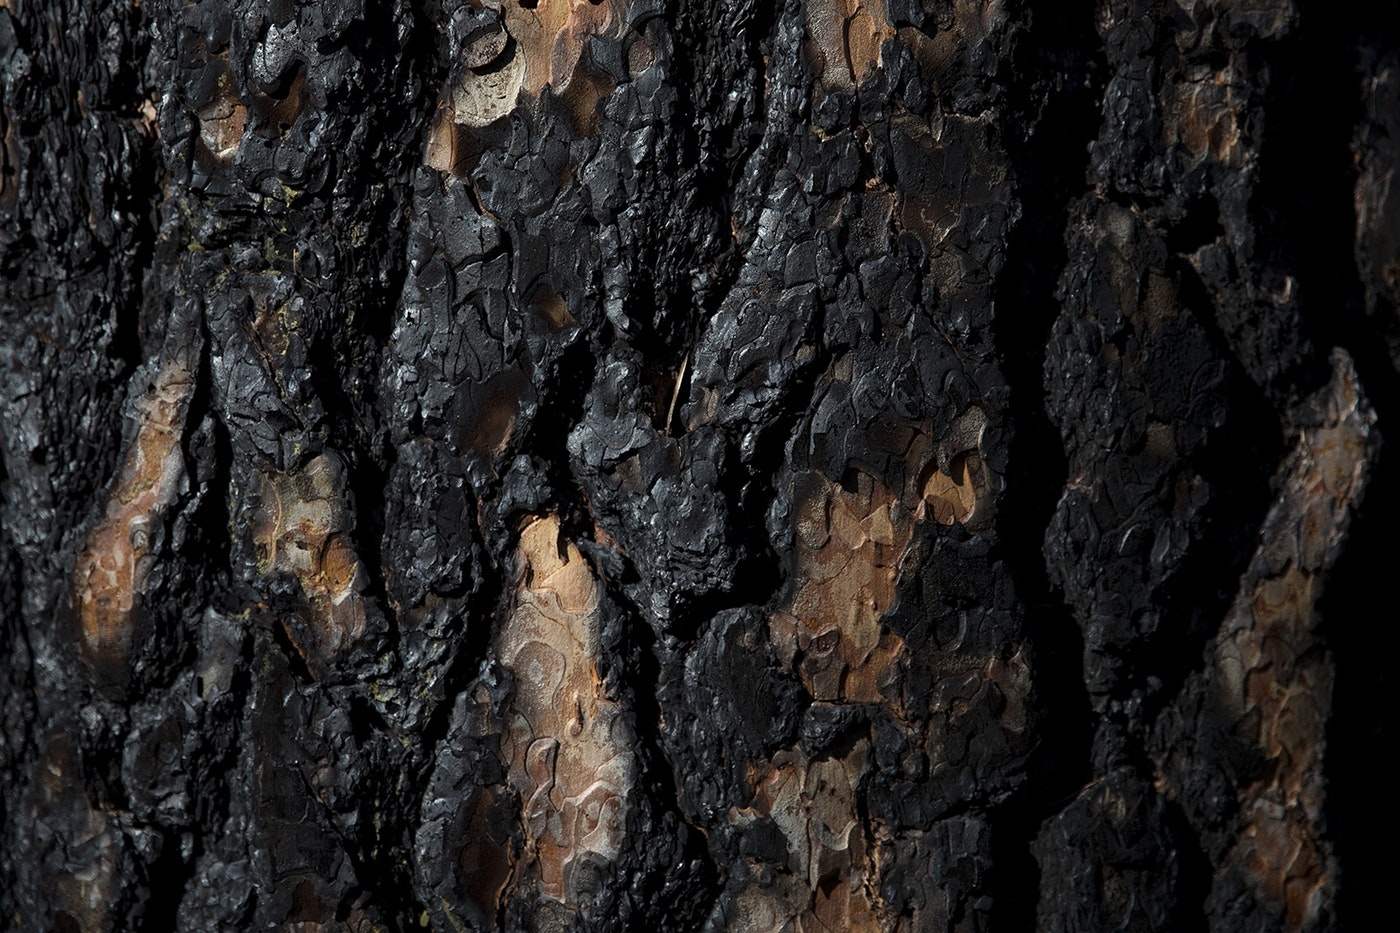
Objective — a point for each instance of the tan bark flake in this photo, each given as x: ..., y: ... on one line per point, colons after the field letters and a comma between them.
x: 568, y: 745
x: 303, y: 527
x: 845, y: 38
x: 848, y: 546
x: 849, y: 542
x: 1271, y: 675
x: 1205, y: 116
x: 814, y: 802
x: 532, y: 49
x: 115, y: 563
x: 221, y: 121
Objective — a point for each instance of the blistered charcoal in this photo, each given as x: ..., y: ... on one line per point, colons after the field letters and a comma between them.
x: 544, y: 465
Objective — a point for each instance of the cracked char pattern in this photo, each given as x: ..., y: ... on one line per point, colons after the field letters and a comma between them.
x: 545, y: 465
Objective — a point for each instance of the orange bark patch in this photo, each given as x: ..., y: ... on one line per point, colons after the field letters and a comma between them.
x: 115, y: 562
x: 1205, y: 118
x: 450, y: 146
x: 555, y: 311
x: 530, y: 49
x: 1272, y: 676
x: 568, y: 744
x: 845, y: 38
x: 952, y: 497
x: 302, y: 527
x: 848, y: 547
x: 1281, y: 850
x: 847, y: 553
x: 551, y: 36
x: 814, y: 803
x: 849, y: 542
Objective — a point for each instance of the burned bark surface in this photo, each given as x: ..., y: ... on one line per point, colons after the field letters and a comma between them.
x: 609, y: 464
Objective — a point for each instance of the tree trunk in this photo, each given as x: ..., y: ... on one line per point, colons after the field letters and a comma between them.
x: 726, y: 465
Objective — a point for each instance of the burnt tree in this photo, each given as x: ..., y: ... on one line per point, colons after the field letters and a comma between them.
x: 731, y: 465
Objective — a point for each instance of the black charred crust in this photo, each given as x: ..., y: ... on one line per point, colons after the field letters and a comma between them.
x: 944, y: 404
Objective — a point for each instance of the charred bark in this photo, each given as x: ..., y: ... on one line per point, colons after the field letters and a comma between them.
x: 840, y: 464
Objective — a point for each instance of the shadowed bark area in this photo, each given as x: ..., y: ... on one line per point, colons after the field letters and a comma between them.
x: 878, y: 465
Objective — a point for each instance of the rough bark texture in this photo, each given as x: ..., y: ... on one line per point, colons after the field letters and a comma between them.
x: 728, y: 465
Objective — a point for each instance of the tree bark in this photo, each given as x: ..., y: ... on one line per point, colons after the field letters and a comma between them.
x: 832, y: 465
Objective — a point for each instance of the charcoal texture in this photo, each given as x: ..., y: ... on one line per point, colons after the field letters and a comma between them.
x: 541, y: 465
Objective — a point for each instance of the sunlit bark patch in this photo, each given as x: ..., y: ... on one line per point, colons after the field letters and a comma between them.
x: 567, y: 742
x: 814, y: 803
x: 1207, y: 117
x: 1268, y: 684
x: 1273, y: 677
x: 847, y: 552
x: 222, y: 120
x: 848, y: 544
x: 115, y: 563
x: 850, y: 541
x: 221, y: 128
x: 845, y: 38
x: 302, y: 527
x: 517, y: 51
x: 772, y: 909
